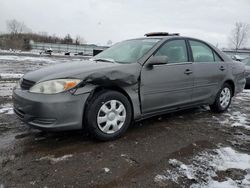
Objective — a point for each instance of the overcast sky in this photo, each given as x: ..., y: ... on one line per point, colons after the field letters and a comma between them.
x: 101, y: 20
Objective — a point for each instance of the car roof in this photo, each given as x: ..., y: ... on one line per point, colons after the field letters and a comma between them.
x: 166, y: 36
x: 159, y: 37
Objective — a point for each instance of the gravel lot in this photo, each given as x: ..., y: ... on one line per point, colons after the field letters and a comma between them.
x: 191, y: 148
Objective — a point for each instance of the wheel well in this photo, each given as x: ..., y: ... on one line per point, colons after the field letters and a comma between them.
x: 100, y: 89
x: 231, y: 83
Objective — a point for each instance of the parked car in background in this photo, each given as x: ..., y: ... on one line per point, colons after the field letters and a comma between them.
x: 130, y: 81
x: 237, y: 58
x: 79, y: 53
x: 47, y: 51
x: 247, y: 64
x: 67, y: 53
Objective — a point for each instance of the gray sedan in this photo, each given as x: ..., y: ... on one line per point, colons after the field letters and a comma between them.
x: 247, y: 64
x: 130, y: 81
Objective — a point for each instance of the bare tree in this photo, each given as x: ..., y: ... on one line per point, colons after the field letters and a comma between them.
x: 79, y: 40
x: 15, y: 27
x: 68, y: 39
x: 43, y: 33
x: 239, y: 35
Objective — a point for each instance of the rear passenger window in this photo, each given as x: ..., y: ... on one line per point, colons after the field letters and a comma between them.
x: 175, y: 50
x: 201, y: 52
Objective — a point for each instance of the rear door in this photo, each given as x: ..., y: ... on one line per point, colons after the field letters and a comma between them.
x: 209, y: 71
x: 170, y: 85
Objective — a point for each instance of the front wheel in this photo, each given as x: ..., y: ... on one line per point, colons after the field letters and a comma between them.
x: 108, y: 115
x: 223, y: 99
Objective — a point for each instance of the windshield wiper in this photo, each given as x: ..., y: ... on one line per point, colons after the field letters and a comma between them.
x: 104, y: 60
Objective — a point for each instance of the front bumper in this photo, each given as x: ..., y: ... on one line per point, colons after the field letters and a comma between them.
x: 57, y: 112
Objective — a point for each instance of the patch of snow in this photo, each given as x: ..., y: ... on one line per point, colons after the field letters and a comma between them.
x: 161, y: 180
x: 107, y: 170
x: 215, y: 184
x: 204, y: 166
x: 6, y: 88
x: 236, y: 116
x: 244, y: 96
x: 229, y: 158
x: 239, y: 119
x: 39, y: 59
x: 10, y: 75
x: 174, y: 162
x: 129, y: 159
x: 6, y: 109
x: 55, y: 159
x: 26, y: 58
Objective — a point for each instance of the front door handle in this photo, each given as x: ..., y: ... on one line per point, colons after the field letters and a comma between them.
x: 222, y: 68
x: 188, y: 71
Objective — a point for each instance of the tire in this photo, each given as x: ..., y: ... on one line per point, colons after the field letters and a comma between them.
x: 219, y: 104
x: 108, y: 115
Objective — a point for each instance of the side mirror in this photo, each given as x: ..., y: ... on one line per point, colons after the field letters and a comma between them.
x: 157, y: 60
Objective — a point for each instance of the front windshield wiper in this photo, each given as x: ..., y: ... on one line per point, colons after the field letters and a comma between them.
x: 104, y: 60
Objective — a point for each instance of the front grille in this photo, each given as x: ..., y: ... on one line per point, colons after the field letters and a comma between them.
x: 27, y: 84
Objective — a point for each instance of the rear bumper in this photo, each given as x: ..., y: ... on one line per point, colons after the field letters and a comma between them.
x: 56, y: 112
x: 248, y: 81
x: 240, y: 85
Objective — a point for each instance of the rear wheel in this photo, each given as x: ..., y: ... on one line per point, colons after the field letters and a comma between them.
x: 108, y: 115
x: 223, y: 99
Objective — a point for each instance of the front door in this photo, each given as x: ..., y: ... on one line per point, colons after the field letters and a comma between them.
x: 169, y: 85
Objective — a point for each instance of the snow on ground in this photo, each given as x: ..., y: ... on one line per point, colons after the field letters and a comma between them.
x: 54, y: 160
x: 244, y: 96
x: 240, y: 120
x: 14, y: 58
x: 107, y: 170
x: 235, y: 119
x: 6, y: 109
x: 6, y: 88
x: 31, y: 59
x: 10, y: 76
x: 206, y: 166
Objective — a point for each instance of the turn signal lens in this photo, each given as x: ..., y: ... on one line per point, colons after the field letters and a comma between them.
x: 69, y: 85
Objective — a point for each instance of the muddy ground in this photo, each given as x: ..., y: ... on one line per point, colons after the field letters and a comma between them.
x: 142, y: 158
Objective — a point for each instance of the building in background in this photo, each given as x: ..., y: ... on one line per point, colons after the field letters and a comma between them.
x: 239, y: 53
x: 82, y: 49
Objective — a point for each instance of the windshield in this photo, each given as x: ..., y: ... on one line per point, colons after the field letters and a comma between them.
x: 127, y: 51
x: 246, y: 61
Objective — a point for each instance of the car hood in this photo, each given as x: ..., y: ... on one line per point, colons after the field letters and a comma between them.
x: 89, y: 71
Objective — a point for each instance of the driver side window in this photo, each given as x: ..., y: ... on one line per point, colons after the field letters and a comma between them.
x: 175, y: 50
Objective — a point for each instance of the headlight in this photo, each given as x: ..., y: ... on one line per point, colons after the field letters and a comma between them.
x: 54, y: 86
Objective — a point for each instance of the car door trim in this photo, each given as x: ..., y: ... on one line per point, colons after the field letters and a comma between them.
x: 167, y: 91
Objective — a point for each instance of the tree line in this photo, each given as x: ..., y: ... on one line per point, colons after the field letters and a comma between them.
x: 19, y: 36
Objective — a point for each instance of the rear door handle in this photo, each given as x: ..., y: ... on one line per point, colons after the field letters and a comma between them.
x: 222, y: 68
x: 188, y: 71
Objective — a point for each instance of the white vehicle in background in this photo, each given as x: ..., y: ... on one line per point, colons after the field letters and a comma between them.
x: 246, y: 61
x: 237, y: 58
x: 47, y: 51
